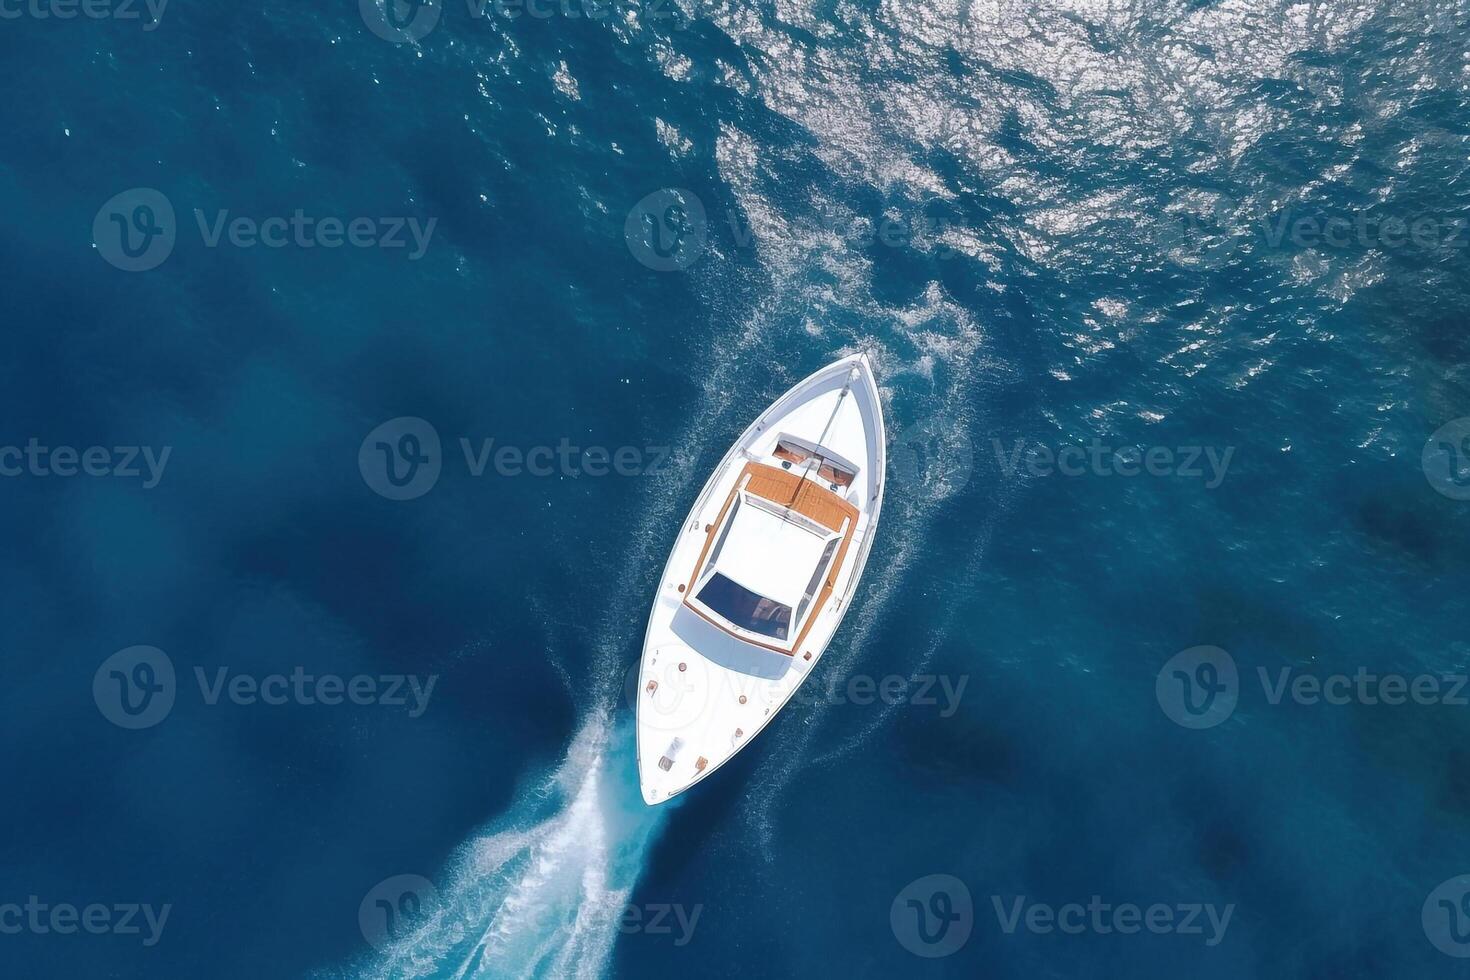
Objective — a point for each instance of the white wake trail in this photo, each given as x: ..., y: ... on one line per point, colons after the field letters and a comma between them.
x: 540, y: 893
x: 541, y: 896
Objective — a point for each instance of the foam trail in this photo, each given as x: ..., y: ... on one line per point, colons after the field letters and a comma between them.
x: 541, y: 898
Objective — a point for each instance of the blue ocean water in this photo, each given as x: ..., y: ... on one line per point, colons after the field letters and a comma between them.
x: 1168, y: 303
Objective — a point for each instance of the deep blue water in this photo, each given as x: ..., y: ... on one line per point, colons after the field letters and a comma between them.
x: 1051, y: 225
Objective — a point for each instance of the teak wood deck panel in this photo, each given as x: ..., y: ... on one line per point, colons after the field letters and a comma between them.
x: 803, y: 496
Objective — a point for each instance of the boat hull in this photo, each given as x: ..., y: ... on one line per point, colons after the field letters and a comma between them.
x: 705, y: 690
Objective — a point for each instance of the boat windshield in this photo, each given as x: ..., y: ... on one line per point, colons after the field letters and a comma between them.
x: 744, y: 608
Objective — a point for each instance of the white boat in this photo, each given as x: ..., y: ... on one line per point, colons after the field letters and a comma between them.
x: 761, y: 574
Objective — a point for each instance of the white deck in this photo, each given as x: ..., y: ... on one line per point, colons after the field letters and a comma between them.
x: 713, y: 693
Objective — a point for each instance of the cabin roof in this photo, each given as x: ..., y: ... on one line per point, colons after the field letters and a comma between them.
x: 770, y: 554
